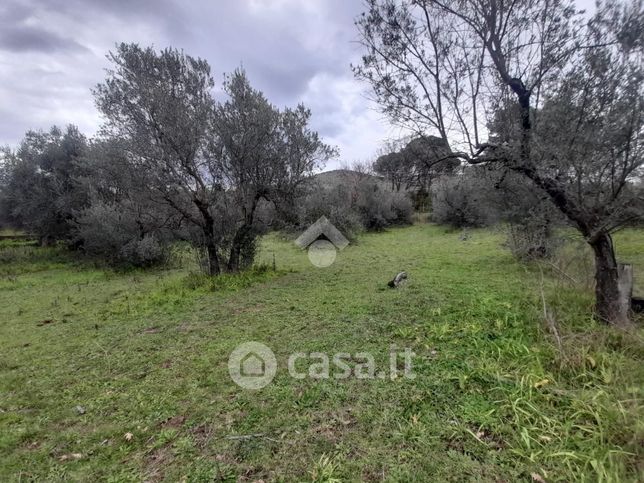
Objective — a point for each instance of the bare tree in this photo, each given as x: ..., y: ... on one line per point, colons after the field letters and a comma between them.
x: 446, y: 66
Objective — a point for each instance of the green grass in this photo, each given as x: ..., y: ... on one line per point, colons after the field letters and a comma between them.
x: 144, y: 354
x: 11, y: 232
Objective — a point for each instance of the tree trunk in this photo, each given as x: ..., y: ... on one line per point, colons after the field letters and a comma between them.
x: 239, y: 240
x: 210, y: 241
x: 235, y: 252
x: 625, y: 286
x: 243, y: 236
x: 609, y: 302
x: 213, y: 259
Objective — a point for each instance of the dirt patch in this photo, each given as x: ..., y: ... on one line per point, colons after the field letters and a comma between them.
x: 202, y: 435
x: 33, y: 445
x: 256, y: 475
x: 492, y: 440
x: 155, y: 464
x: 174, y: 422
x: 331, y: 426
x: 374, y: 474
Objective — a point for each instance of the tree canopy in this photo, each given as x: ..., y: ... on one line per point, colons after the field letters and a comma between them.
x: 571, y: 90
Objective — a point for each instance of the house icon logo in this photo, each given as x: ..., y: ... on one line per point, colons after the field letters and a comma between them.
x: 252, y: 365
x: 322, y: 240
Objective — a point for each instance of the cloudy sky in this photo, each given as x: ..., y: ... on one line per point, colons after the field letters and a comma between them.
x: 53, y: 51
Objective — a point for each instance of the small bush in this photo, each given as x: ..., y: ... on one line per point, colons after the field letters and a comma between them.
x: 461, y: 201
x: 374, y: 206
x: 403, y: 209
x: 335, y: 204
x: 531, y: 239
x: 107, y: 232
x: 142, y: 252
x: 353, y: 207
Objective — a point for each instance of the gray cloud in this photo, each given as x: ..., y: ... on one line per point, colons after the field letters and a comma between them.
x: 25, y: 38
x: 53, y: 51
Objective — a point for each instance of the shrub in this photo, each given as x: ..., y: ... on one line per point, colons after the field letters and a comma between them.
x: 363, y: 204
x: 532, y: 237
x: 461, y: 201
x: 109, y: 232
x: 403, y: 209
x: 374, y: 207
x: 142, y: 252
x: 335, y: 204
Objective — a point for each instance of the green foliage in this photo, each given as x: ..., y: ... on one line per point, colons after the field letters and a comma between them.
x: 109, y: 233
x: 230, y: 281
x: 414, y: 166
x: 465, y: 200
x: 38, y: 189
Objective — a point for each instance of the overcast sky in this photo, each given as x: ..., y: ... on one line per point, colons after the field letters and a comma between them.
x: 53, y: 51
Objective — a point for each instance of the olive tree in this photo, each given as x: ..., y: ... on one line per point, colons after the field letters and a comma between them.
x: 212, y: 164
x: 7, y: 163
x: 122, y: 222
x: 39, y: 191
x: 264, y: 155
x: 160, y: 105
x: 445, y: 66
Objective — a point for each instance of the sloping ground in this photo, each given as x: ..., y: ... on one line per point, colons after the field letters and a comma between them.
x: 125, y: 375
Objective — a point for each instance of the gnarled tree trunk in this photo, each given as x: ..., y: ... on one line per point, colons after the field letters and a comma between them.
x: 213, y: 259
x: 210, y: 242
x: 241, y: 238
x: 610, y: 305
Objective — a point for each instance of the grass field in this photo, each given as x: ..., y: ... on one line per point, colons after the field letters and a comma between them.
x: 122, y: 376
x: 10, y: 232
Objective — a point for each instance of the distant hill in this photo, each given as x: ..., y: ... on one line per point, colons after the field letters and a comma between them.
x: 331, y: 179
